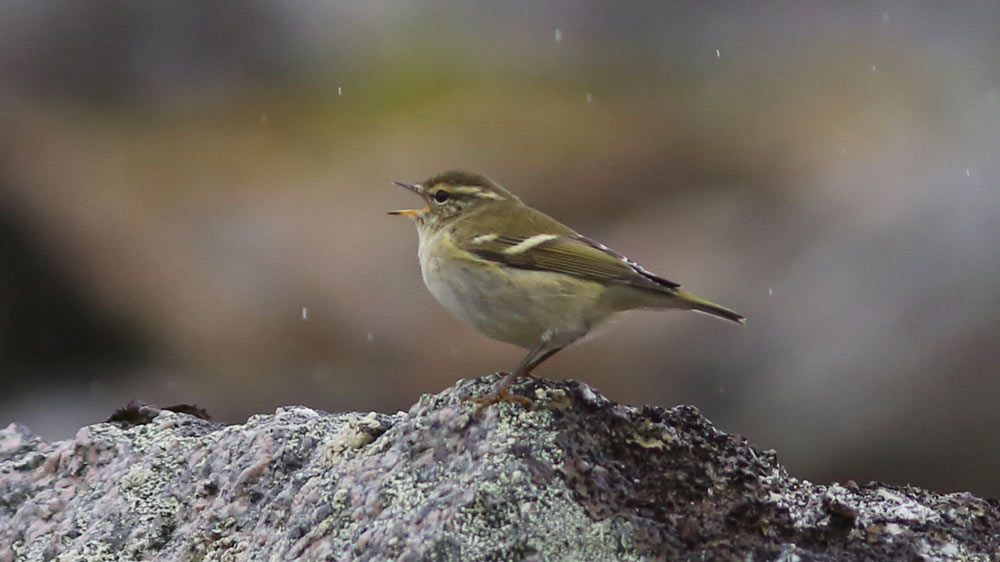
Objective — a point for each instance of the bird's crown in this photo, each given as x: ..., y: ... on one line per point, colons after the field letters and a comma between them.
x: 466, y: 184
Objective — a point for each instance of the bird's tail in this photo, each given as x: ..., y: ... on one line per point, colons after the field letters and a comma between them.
x: 696, y: 303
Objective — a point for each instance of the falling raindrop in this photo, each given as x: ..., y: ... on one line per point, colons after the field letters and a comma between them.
x: 305, y: 313
x: 558, y: 35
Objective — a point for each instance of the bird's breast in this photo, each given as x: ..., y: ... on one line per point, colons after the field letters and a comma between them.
x: 518, y: 306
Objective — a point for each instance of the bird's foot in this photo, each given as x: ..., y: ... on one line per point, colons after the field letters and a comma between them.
x: 502, y: 392
x: 500, y: 395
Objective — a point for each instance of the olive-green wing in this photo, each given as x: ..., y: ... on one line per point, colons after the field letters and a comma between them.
x: 574, y: 255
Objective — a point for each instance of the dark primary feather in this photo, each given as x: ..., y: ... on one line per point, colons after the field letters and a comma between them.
x: 635, y: 266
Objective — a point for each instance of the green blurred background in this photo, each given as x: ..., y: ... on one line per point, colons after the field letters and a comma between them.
x: 178, y: 181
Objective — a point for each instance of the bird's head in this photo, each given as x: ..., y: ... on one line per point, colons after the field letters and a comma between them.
x: 451, y: 195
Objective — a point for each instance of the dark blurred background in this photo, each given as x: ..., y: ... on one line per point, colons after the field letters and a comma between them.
x: 192, y: 200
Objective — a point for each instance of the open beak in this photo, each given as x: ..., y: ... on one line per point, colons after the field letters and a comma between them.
x: 412, y: 213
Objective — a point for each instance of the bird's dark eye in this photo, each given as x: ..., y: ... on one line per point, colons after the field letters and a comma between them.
x: 441, y: 196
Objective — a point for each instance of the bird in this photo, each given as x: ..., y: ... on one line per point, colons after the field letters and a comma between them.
x: 519, y: 276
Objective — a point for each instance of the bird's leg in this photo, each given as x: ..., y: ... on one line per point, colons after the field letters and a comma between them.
x: 527, y: 371
x: 500, y: 394
x: 531, y: 366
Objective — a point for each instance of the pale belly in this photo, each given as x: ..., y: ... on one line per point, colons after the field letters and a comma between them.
x: 521, y: 307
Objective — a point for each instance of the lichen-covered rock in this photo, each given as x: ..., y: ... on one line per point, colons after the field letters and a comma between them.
x: 576, y: 478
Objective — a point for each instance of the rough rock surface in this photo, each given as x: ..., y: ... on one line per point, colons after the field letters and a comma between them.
x: 576, y: 478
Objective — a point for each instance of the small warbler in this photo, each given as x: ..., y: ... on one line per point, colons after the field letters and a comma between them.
x: 519, y: 276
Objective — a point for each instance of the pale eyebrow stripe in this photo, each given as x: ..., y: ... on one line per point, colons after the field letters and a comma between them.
x: 477, y: 191
x: 530, y: 243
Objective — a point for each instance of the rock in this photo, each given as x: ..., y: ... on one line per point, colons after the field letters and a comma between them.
x: 575, y: 478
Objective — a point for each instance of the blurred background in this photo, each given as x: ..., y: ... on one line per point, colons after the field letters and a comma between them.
x: 193, y: 197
